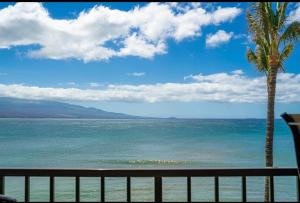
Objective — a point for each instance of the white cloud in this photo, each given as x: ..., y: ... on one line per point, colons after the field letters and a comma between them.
x: 237, y: 72
x: 137, y: 74
x: 295, y: 14
x: 102, y: 33
x: 94, y: 84
x: 138, y: 46
x: 220, y: 37
x: 220, y: 87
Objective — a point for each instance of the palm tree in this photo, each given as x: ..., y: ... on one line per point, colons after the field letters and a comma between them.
x: 274, y: 37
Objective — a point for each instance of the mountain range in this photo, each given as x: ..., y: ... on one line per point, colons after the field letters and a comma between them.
x: 24, y: 108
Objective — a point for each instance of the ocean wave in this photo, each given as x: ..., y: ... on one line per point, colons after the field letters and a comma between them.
x: 145, y: 162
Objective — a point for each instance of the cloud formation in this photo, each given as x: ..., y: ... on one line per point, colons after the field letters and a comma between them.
x: 234, y: 87
x: 94, y: 84
x: 102, y: 32
x: 220, y: 37
x: 137, y: 74
x: 295, y: 14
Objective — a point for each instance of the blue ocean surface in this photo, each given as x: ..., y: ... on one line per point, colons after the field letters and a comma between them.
x: 144, y: 143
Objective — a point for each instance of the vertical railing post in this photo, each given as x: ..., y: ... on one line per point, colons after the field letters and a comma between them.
x: 158, y: 189
x: 271, y: 188
x: 77, y: 189
x: 216, y: 189
x: 128, y: 189
x: 2, y: 185
x: 189, y: 189
x: 52, y: 195
x: 102, y: 189
x: 27, y: 189
x: 244, y: 189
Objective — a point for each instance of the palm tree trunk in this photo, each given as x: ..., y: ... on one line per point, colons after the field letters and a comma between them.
x: 271, y: 86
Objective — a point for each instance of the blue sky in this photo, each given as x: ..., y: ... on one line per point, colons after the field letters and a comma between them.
x: 161, y: 60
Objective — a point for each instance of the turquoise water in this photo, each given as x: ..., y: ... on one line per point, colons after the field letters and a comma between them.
x: 155, y: 143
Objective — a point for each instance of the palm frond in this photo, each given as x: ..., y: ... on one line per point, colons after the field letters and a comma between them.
x: 251, y: 56
x: 253, y: 25
x: 263, y: 58
x: 274, y: 38
x: 258, y: 59
x: 291, y: 34
x: 287, y: 50
x: 281, y: 10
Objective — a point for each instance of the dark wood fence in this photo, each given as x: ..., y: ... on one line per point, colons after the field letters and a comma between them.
x: 157, y: 175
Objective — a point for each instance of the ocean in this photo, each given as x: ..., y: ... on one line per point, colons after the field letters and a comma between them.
x: 144, y: 143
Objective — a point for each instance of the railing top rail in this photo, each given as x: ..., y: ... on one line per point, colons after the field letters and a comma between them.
x: 149, y: 172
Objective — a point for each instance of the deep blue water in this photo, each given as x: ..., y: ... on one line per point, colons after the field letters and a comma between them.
x: 155, y: 143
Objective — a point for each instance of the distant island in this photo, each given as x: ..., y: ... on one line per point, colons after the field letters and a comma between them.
x: 23, y: 108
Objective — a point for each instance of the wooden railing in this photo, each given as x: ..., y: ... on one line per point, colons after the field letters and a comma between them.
x: 157, y: 174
